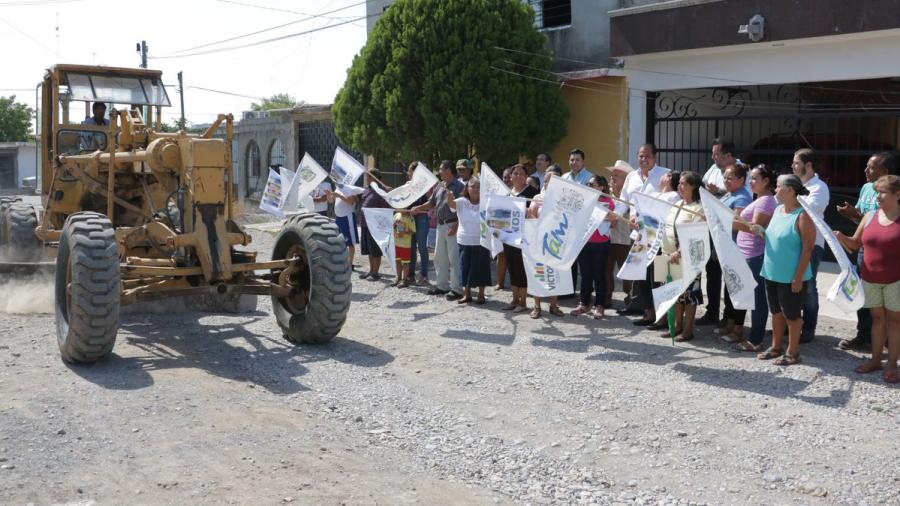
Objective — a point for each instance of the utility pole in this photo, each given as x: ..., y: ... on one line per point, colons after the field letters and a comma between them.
x: 142, y: 48
x: 181, y: 96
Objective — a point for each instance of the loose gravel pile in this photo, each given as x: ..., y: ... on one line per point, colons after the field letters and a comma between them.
x: 424, y: 401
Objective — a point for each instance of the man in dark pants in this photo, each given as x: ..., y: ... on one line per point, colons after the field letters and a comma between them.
x: 879, y: 164
x: 723, y: 156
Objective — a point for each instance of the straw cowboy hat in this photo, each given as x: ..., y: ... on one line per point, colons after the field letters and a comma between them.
x: 621, y: 165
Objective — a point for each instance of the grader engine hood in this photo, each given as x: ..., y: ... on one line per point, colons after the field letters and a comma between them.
x: 204, y: 162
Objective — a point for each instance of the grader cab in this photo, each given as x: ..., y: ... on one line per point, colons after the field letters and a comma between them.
x: 132, y: 214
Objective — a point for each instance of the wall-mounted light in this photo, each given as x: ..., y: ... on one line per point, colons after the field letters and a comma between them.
x: 755, y: 29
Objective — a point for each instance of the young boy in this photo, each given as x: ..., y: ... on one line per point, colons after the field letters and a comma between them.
x: 404, y: 229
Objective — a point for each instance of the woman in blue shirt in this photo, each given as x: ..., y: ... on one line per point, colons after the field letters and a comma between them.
x: 790, y: 238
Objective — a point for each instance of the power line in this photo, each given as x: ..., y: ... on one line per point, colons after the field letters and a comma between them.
x: 259, y: 31
x: 713, y: 78
x: 276, y: 9
x: 266, y: 41
x: 222, y: 92
x: 36, y: 2
x: 695, y: 101
x: 7, y: 23
x: 769, y: 104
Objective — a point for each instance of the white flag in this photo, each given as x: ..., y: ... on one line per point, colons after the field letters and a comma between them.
x: 543, y: 280
x: 651, y: 219
x: 505, y: 218
x: 288, y: 185
x: 847, y: 290
x: 490, y: 184
x: 308, y: 176
x: 693, y: 239
x: 565, y: 216
x: 271, y: 197
x: 380, y: 222
x: 597, y: 222
x: 403, y: 196
x: 736, y: 274
x: 344, y: 168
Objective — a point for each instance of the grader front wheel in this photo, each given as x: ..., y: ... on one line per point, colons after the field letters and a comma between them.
x: 88, y: 288
x: 320, y: 297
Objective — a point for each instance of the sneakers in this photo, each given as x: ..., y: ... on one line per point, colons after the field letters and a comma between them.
x: 707, y: 319
x: 421, y: 280
x: 454, y: 296
x: 437, y: 291
x: 858, y: 343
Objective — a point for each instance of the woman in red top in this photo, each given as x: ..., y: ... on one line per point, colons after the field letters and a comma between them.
x: 879, y: 234
x: 592, y: 259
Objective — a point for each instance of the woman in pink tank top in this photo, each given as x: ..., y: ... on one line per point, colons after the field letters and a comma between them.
x: 879, y: 234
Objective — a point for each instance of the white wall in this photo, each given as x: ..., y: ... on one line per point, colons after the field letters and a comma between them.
x: 866, y: 55
x: 26, y: 162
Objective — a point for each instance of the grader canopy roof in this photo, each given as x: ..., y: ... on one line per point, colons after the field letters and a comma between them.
x: 120, y: 89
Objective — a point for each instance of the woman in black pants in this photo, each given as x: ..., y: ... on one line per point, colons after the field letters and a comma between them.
x: 592, y: 259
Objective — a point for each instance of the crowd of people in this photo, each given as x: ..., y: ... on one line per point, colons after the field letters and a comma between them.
x: 778, y: 239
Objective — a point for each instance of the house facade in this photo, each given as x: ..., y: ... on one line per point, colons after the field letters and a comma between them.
x: 773, y: 76
x: 279, y: 138
x: 18, y: 163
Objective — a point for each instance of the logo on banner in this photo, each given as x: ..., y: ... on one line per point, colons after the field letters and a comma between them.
x: 306, y: 175
x: 555, y: 239
x: 546, y: 275
x: 697, y: 251
x: 504, y: 220
x: 850, y: 286
x: 732, y: 279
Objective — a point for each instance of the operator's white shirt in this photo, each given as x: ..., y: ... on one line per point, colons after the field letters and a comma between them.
x: 818, y: 198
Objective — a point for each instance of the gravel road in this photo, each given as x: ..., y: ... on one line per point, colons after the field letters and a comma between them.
x: 421, y: 401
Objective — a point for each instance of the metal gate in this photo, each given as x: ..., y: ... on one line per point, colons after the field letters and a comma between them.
x: 844, y: 122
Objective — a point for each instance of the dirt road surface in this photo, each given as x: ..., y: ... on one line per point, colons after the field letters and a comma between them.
x: 421, y: 401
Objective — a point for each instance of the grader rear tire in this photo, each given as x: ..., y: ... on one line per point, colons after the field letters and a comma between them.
x: 88, y: 288
x: 19, y: 222
x: 318, y: 309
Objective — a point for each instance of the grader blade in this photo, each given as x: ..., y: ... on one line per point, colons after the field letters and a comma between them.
x: 26, y: 268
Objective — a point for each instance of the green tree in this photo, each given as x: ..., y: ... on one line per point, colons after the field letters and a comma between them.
x: 436, y: 76
x: 15, y: 120
x: 276, y: 101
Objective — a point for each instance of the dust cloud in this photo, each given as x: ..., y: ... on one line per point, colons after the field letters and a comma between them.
x: 26, y: 293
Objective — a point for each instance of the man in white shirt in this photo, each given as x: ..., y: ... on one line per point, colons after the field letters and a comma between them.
x: 803, y: 167
x: 577, y: 172
x: 722, y: 156
x: 647, y: 179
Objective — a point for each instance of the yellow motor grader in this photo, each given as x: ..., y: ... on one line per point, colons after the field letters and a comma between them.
x: 134, y: 214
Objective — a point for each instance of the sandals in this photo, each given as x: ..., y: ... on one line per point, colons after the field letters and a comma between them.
x: 556, y: 311
x: 464, y: 300
x: 787, y: 359
x: 668, y: 335
x: 535, y: 313
x: 598, y: 312
x: 892, y: 377
x: 770, y: 354
x: 580, y: 310
x: 867, y: 367
x: 403, y: 284
x: 480, y: 301
x: 745, y: 345
x: 520, y: 309
x: 684, y: 339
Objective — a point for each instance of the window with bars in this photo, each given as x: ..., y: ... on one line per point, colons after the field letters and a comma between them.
x: 551, y: 13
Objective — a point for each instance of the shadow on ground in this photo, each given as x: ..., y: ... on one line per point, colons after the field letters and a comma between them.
x: 226, y: 350
x: 610, y: 344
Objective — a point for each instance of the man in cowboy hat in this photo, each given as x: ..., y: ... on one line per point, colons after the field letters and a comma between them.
x: 619, y: 234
